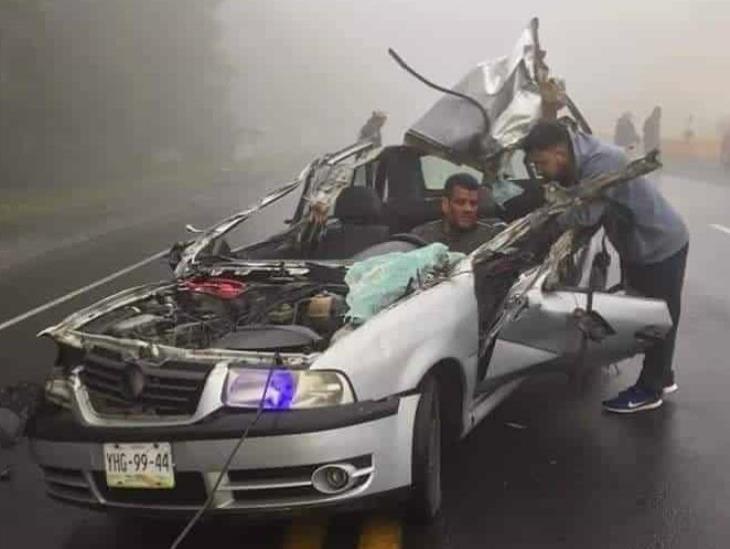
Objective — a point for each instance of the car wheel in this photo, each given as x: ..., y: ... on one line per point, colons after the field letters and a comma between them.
x: 425, y: 500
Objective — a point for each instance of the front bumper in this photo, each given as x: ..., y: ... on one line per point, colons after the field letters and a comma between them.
x: 271, y: 472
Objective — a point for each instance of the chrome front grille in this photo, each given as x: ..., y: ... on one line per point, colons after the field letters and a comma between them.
x: 170, y: 389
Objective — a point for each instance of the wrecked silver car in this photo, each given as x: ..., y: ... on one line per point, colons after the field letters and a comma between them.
x: 156, y: 387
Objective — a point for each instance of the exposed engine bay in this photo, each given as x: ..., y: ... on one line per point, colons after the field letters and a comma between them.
x: 230, y: 313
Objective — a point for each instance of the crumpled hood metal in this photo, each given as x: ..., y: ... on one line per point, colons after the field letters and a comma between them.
x: 70, y: 332
x: 507, y: 88
x: 326, y: 179
x: 115, y: 301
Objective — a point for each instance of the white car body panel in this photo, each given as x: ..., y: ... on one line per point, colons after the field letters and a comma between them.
x: 392, y: 351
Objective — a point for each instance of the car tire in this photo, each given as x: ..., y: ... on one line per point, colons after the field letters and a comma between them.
x: 426, y: 459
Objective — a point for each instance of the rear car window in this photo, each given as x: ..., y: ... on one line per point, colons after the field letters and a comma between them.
x: 437, y: 170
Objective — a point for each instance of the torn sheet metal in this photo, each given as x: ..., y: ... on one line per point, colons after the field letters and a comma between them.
x: 332, y: 178
x: 560, y: 202
x: 121, y: 299
x: 506, y: 87
x: 329, y: 182
x: 189, y: 255
x: 328, y: 176
x: 498, y: 263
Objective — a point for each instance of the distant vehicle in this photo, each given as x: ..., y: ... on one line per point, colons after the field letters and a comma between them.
x: 154, y: 386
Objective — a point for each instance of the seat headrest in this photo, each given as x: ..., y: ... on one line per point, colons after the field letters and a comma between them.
x: 360, y: 205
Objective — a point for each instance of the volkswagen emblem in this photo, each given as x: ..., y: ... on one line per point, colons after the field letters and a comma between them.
x: 134, y: 382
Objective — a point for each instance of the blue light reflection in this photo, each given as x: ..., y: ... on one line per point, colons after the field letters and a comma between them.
x: 281, y: 390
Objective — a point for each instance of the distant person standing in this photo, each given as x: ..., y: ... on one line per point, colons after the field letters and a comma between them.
x: 625, y: 135
x: 652, y: 130
x: 371, y: 129
x: 725, y: 149
x: 689, y: 132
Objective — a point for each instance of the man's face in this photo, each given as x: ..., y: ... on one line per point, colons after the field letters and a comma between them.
x: 460, y: 210
x: 553, y: 163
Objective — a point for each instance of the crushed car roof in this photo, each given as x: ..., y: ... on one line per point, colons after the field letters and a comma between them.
x: 507, y: 88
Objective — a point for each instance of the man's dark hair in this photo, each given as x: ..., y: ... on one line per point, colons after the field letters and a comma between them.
x: 545, y: 135
x: 463, y: 180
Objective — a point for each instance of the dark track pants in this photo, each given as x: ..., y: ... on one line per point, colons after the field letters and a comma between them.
x: 663, y: 280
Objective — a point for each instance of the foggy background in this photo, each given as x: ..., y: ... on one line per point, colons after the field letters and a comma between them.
x: 133, y: 95
x: 324, y: 63
x: 97, y: 88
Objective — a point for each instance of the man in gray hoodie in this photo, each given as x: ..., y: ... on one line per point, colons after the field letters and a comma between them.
x: 648, y: 234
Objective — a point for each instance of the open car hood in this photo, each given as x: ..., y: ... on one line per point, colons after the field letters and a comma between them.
x: 507, y: 88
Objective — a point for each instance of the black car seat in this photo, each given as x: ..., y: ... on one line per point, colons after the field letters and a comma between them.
x: 406, y: 204
x: 358, y: 224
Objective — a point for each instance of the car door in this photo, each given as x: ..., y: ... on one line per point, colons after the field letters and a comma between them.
x: 571, y: 329
x: 574, y: 324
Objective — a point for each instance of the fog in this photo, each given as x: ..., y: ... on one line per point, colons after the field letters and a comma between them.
x: 93, y: 90
x: 125, y: 124
x: 316, y: 68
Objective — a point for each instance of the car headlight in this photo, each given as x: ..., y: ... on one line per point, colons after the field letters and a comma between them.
x: 287, y: 389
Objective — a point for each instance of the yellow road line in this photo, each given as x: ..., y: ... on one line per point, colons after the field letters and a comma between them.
x: 306, y: 533
x: 379, y: 532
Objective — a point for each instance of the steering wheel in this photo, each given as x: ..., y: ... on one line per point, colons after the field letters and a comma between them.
x: 409, y: 238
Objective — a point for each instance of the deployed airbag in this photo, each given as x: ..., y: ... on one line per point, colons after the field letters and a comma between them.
x: 380, y: 281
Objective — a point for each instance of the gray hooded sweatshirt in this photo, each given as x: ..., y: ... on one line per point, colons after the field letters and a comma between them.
x: 640, y: 223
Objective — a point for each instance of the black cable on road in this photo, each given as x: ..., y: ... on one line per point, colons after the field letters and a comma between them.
x: 193, y: 521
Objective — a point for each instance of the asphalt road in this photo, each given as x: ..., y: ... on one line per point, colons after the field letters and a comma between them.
x: 547, y: 468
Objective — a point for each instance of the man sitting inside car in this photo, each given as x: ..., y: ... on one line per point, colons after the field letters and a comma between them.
x: 460, y: 228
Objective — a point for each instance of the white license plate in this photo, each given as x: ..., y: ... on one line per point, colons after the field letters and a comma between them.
x: 139, y: 465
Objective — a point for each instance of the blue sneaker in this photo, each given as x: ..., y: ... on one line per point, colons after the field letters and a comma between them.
x: 633, y: 399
